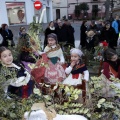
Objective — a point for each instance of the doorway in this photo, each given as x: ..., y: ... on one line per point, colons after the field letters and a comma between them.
x: 57, y: 13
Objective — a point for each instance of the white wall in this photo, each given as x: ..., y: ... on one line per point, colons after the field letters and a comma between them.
x: 29, y: 8
x: 62, y: 5
x: 72, y: 6
x: 3, y: 12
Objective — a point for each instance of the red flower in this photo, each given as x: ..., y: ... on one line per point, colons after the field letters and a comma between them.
x: 99, y: 53
x: 104, y: 43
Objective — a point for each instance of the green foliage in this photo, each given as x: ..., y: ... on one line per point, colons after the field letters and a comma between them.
x: 14, y: 108
x: 83, y: 7
x: 66, y: 51
x: 65, y: 100
x: 35, y: 28
x: 103, y: 105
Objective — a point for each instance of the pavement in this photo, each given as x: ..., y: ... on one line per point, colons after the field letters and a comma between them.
x: 76, y: 26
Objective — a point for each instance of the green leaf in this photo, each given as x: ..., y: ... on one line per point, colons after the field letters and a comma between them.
x: 98, y: 105
x: 101, y: 101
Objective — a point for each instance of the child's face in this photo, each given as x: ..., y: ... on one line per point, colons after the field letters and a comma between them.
x: 23, y: 31
x: 114, y: 58
x: 6, y: 57
x: 51, y: 41
x: 75, y: 57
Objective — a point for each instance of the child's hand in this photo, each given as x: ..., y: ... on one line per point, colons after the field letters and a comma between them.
x: 72, y: 63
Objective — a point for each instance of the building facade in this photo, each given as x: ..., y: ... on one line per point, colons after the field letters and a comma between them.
x: 60, y: 8
x: 116, y: 7
x: 99, y: 4
x: 21, y: 12
x: 67, y: 7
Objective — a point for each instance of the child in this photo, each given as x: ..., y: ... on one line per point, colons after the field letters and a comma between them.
x: 50, y: 65
x: 21, y: 31
x: 76, y: 69
x: 111, y: 65
x: 111, y: 69
x: 55, y: 72
x: 17, y: 79
x: 28, y: 49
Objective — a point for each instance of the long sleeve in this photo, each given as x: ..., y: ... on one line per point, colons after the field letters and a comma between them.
x: 86, y: 75
x: 62, y: 60
x: 113, y: 24
x: 106, y: 69
x: 68, y: 70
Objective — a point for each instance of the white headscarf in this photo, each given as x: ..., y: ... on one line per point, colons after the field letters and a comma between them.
x: 76, y: 51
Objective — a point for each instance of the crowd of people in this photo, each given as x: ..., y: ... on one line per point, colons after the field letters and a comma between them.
x: 50, y: 63
x: 99, y: 31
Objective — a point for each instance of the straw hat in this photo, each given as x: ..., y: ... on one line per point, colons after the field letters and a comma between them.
x: 90, y: 33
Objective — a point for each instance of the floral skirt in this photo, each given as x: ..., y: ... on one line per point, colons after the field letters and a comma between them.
x: 54, y: 73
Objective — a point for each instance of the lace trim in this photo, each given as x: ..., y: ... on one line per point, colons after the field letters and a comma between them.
x: 53, y: 49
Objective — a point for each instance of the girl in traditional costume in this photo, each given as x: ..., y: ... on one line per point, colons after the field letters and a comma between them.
x: 49, y: 67
x: 76, y: 70
x: 17, y: 79
x: 54, y: 72
x: 111, y: 70
x: 111, y: 64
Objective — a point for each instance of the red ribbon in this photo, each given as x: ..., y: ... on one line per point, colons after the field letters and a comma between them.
x: 25, y: 91
x: 75, y: 76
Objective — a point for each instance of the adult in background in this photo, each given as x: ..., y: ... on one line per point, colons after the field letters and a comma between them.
x: 93, y: 27
x: 71, y: 30
x: 99, y: 24
x: 50, y: 29
x: 55, y: 23
x: 7, y: 36
x: 116, y: 26
x: 62, y: 32
x: 103, y: 25
x: 108, y: 34
x: 1, y: 38
x: 83, y: 35
x: 1, y: 29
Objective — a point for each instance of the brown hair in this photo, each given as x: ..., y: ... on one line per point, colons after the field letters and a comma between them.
x: 22, y: 28
x: 108, y: 53
x: 2, y: 49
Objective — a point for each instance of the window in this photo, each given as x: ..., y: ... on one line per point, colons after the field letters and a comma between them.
x: 57, y: 13
x: 16, y: 12
x: 94, y: 7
